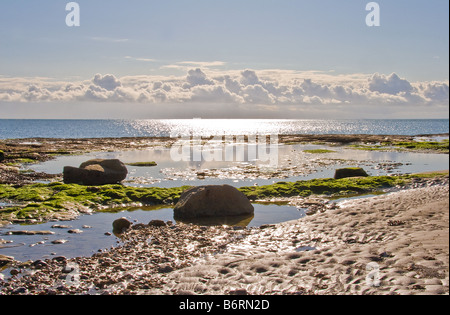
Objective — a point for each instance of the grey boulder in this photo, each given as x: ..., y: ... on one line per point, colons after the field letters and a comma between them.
x: 96, y: 172
x: 211, y: 201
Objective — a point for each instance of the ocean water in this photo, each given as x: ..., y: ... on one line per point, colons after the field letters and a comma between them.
x: 19, y: 129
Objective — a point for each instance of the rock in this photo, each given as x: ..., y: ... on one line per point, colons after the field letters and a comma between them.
x: 214, y: 200
x: 2, y: 156
x: 350, y: 172
x: 96, y: 172
x: 59, y: 226
x: 239, y: 292
x: 75, y: 231
x: 157, y: 223
x: 60, y: 259
x: 121, y: 225
x: 31, y: 233
x: 39, y: 264
x: 5, y: 260
x: 57, y: 242
x: 165, y: 268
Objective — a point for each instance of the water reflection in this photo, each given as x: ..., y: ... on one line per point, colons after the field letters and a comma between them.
x: 239, y: 220
x: 97, y: 230
x: 293, y: 164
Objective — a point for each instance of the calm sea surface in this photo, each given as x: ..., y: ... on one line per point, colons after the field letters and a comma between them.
x: 16, y: 129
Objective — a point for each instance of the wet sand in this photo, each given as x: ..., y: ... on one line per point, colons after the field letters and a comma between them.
x: 401, y: 239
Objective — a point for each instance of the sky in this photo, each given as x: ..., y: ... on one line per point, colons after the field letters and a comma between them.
x: 224, y: 59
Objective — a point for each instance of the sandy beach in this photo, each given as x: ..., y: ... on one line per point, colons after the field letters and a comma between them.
x: 391, y: 244
x: 404, y: 234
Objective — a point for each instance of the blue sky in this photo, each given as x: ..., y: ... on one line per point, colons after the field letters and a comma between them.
x: 162, y: 39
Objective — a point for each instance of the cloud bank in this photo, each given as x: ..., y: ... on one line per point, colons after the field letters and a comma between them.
x: 246, y: 88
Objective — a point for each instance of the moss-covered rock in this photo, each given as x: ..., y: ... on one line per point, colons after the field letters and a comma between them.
x: 350, y: 172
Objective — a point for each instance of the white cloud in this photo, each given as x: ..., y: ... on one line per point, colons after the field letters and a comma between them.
x: 197, y: 77
x: 390, y: 85
x: 246, y: 88
x: 108, y: 82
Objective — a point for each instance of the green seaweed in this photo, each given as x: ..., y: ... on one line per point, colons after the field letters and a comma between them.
x: 39, y: 201
x: 330, y: 186
x: 441, y: 146
x: 319, y: 151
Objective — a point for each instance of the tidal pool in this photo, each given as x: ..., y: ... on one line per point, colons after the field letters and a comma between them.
x: 293, y: 164
x: 97, y: 233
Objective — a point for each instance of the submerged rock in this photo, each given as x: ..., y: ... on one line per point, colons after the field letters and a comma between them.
x: 96, y: 172
x: 213, y: 200
x: 350, y: 172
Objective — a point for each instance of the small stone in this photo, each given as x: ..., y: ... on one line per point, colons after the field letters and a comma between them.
x: 75, y: 231
x: 239, y: 292
x: 67, y: 269
x: 59, y: 242
x: 157, y: 223
x: 31, y: 233
x: 121, y: 225
x: 139, y: 226
x: 165, y: 269
x: 20, y: 290
x: 58, y: 226
x: 39, y: 264
x: 4, y: 260
x: 60, y: 259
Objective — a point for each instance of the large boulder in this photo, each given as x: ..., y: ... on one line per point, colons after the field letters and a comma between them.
x: 96, y: 172
x: 2, y: 156
x: 350, y: 172
x: 213, y: 200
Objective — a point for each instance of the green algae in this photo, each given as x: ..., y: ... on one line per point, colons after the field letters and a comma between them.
x: 432, y: 146
x: 319, y: 151
x: 41, y: 201
x: 441, y: 146
x: 330, y: 187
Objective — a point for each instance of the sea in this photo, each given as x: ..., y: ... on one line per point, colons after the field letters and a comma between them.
x: 66, y: 129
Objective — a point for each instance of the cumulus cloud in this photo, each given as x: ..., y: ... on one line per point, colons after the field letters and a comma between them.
x: 269, y: 88
x: 390, y: 85
x: 108, y: 82
x: 197, y: 77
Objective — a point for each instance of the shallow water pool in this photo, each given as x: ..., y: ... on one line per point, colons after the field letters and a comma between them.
x: 97, y: 231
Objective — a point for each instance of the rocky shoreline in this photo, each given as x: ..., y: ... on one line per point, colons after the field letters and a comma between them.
x: 405, y: 233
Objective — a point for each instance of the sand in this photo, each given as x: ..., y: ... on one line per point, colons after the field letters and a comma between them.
x: 391, y: 244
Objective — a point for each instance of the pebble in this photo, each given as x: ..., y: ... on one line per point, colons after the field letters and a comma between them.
x: 75, y: 231
x: 58, y: 226
x: 157, y: 223
x: 59, y: 241
x: 39, y: 264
